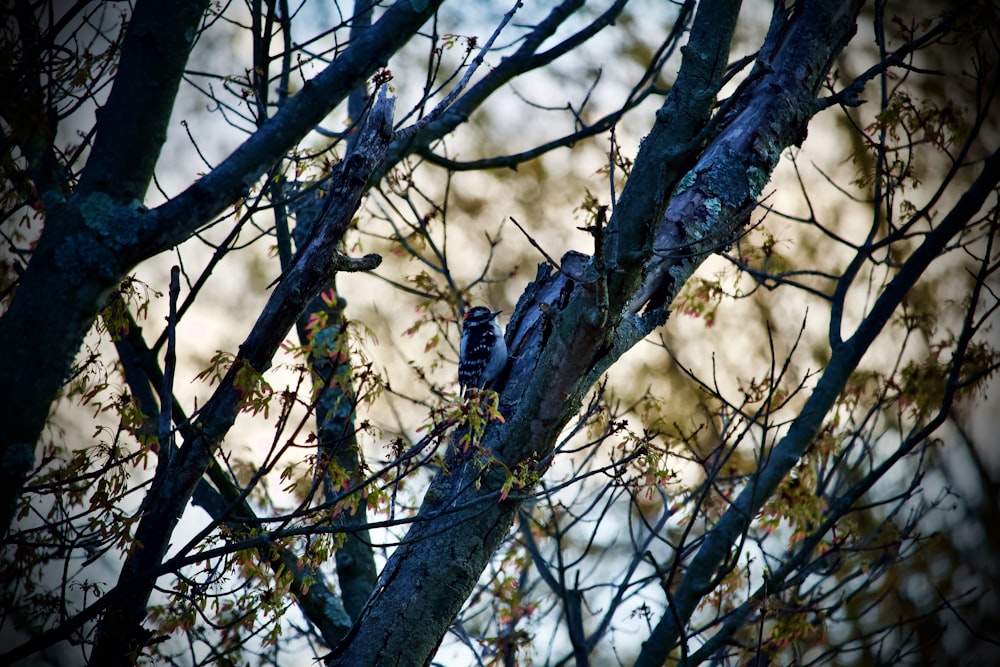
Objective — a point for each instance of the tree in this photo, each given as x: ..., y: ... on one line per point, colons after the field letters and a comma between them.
x: 765, y: 515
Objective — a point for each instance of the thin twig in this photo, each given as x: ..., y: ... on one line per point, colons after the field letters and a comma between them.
x: 611, y: 167
x: 166, y: 439
x: 534, y: 243
x: 453, y: 94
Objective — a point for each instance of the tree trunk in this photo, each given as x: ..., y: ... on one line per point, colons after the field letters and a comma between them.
x: 84, y: 247
x: 569, y: 327
x: 94, y: 238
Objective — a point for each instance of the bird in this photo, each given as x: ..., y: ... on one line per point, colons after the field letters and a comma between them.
x: 482, y: 351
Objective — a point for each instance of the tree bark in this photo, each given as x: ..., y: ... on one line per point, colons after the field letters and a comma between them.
x: 75, y: 263
x: 94, y: 238
x: 717, y: 547
x: 564, y: 335
x: 132, y: 125
x: 120, y: 634
x: 561, y: 340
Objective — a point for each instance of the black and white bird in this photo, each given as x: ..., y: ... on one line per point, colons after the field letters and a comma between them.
x: 482, y: 352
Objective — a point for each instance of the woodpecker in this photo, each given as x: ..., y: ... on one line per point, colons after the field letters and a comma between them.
x: 483, y: 352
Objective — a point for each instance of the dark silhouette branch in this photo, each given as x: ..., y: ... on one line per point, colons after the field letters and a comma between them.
x: 120, y: 633
x: 718, y: 544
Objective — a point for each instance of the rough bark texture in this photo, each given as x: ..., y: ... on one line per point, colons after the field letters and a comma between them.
x: 94, y: 237
x: 693, y: 184
x: 769, y: 114
x: 73, y: 264
x: 563, y: 335
x: 338, y: 449
x: 120, y: 635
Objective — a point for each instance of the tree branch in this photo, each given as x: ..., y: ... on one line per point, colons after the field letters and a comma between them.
x: 92, y: 240
x: 523, y: 60
x: 132, y: 125
x: 718, y: 543
x: 120, y: 633
x: 717, y: 195
x: 175, y: 220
